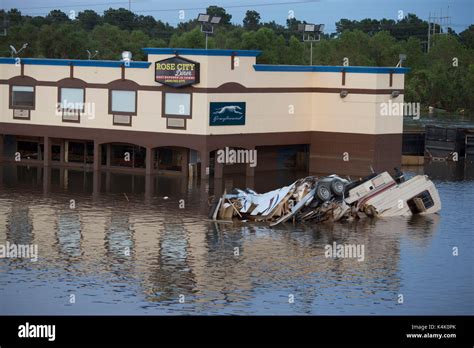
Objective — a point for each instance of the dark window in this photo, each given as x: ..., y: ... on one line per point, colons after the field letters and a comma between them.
x: 420, y: 202
x: 23, y: 97
x: 28, y: 149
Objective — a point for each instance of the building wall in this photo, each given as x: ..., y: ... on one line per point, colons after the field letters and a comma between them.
x: 282, y: 108
x: 289, y: 109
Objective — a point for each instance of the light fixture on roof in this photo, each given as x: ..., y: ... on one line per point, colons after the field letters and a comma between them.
x: 312, y: 33
x: 215, y: 20
x: 126, y: 56
x: 402, y: 57
x: 207, y: 23
x: 203, y: 18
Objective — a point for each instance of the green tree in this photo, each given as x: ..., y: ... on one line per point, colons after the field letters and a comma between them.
x: 89, y: 19
x: 219, y: 12
x: 191, y: 39
x: 56, y: 17
x: 252, y: 20
x: 64, y: 40
x: 122, y: 18
x: 467, y: 37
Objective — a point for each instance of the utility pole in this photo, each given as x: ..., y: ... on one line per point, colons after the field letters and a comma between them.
x: 429, y: 34
x: 442, y: 22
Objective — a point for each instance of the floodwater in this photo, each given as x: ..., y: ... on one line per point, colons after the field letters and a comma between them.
x: 124, y: 244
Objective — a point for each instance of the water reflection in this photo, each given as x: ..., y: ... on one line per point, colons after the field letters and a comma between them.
x: 123, y: 231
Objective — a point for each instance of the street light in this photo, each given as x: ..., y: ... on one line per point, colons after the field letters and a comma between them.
x: 203, y: 18
x: 207, y: 23
x: 311, y: 33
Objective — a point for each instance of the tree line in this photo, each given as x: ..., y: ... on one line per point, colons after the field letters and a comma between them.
x: 442, y: 77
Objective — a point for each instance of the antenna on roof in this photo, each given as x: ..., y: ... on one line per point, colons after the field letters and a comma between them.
x: 90, y: 55
x: 14, y: 51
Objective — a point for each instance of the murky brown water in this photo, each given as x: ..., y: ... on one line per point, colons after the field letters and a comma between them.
x: 174, y: 251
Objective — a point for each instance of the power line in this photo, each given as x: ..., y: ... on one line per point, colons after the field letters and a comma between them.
x: 175, y: 9
x: 172, y: 9
x: 76, y: 5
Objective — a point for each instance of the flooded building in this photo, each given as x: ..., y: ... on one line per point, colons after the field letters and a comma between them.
x: 176, y: 111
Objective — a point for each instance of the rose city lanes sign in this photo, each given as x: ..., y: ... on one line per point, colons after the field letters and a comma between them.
x: 227, y: 114
x: 177, y: 72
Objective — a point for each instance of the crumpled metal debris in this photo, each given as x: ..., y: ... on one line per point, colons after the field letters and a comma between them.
x: 331, y: 198
x: 308, y: 199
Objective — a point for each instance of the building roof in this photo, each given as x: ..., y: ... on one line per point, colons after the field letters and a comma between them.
x: 331, y: 68
x: 202, y: 52
x: 209, y: 52
x: 76, y: 62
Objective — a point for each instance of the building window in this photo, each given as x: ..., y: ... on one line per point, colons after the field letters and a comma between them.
x: 175, y: 123
x: 123, y: 102
x: 177, y: 105
x: 72, y: 99
x: 71, y: 103
x: 22, y: 97
x: 122, y: 120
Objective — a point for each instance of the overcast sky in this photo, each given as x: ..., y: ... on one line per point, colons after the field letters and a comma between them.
x: 313, y: 11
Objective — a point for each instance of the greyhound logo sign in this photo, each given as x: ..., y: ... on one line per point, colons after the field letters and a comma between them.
x: 227, y: 114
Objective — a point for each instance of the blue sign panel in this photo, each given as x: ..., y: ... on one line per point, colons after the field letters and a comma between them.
x: 227, y: 114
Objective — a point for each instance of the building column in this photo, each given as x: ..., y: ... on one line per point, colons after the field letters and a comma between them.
x: 97, y: 155
x: 1, y: 147
x: 62, y: 156
x: 184, y: 162
x: 149, y: 161
x: 66, y: 151
x: 109, y: 155
x: 249, y: 170
x: 204, y: 155
x: 46, y: 151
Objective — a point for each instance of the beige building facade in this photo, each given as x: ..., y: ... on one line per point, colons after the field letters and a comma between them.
x: 174, y: 111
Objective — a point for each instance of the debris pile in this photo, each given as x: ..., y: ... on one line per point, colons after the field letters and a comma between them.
x: 330, y: 198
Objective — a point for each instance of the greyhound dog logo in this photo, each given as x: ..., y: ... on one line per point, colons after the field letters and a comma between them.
x: 234, y: 109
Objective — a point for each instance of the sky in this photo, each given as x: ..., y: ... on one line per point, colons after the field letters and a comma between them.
x: 313, y: 11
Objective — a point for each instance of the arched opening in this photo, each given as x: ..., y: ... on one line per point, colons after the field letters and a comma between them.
x: 232, y: 160
x: 171, y: 159
x: 123, y: 156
